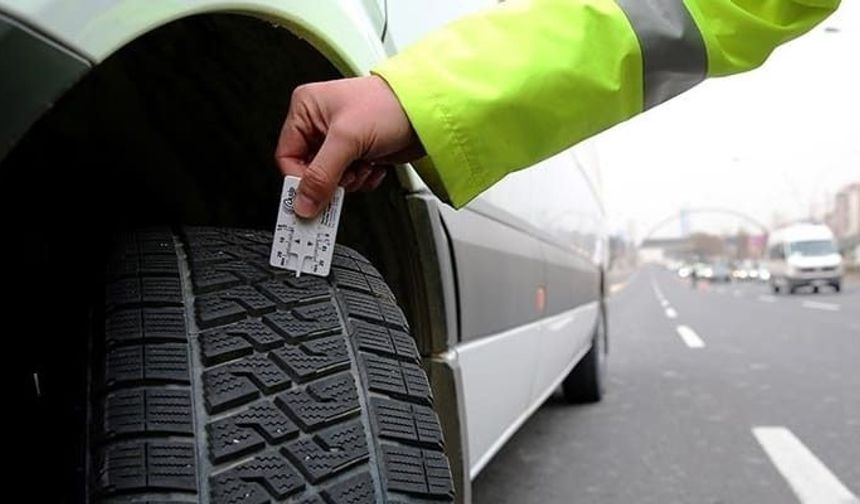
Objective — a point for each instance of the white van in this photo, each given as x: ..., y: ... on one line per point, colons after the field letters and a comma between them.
x: 801, y: 255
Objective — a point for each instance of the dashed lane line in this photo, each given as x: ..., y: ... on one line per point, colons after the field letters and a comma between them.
x: 690, y: 337
x: 671, y: 313
x: 808, y: 477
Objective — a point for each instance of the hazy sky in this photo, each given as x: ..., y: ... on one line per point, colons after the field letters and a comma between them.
x: 777, y: 139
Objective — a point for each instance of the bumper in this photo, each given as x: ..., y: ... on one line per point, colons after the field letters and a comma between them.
x: 814, y: 281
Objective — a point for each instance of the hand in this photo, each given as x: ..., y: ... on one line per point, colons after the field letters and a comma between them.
x: 346, y: 132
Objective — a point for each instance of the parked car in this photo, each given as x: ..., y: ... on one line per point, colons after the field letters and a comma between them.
x: 159, y: 357
x: 803, y: 255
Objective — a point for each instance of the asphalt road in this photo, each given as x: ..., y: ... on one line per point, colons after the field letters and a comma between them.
x: 756, y: 401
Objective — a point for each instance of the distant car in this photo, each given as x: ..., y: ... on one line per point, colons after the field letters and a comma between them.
x: 720, y: 272
x: 747, y: 270
x: 803, y: 255
x: 685, y: 271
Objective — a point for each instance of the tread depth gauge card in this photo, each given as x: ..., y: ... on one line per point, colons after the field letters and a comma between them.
x: 305, y: 245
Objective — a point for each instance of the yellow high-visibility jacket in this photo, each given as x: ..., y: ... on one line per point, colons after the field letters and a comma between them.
x: 502, y: 89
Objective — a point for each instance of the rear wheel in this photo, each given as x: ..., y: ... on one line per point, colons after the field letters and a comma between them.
x: 586, y: 381
x: 837, y: 286
x: 220, y: 379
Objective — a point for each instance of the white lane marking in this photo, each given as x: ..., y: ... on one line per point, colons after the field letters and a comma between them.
x: 818, y: 305
x: 810, y: 479
x: 767, y: 298
x: 664, y: 303
x: 671, y: 313
x: 690, y: 337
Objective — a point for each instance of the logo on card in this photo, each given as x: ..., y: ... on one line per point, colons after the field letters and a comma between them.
x: 287, y: 204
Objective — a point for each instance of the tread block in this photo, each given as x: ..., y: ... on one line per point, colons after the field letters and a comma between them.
x: 148, y: 466
x: 417, y: 471
x: 313, y: 499
x: 209, y: 279
x: 408, y: 423
x: 374, y: 309
x: 355, y: 490
x: 244, y: 269
x: 321, y: 402
x: 398, y: 379
x: 231, y: 305
x: 236, y: 340
x: 131, y: 263
x: 288, y: 289
x: 163, y: 291
x: 260, y: 480
x: 329, y: 451
x: 314, y: 357
x: 148, y: 411
x: 149, y: 324
x: 240, y: 382
x: 351, y: 279
x: 384, y: 340
x: 147, y: 363
x: 249, y: 431
x: 304, y: 321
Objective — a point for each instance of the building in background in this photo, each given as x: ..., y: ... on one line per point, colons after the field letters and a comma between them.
x: 844, y: 218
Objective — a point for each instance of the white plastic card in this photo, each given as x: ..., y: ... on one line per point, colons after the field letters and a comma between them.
x: 305, y: 245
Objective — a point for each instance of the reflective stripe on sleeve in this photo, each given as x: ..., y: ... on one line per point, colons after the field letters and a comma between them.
x: 674, y: 58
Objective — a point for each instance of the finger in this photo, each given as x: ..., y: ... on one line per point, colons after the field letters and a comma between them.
x: 292, y: 150
x: 374, y: 180
x: 362, y: 171
x: 347, y: 179
x: 298, y: 139
x: 321, y: 177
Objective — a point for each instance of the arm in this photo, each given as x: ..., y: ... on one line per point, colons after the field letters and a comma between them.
x: 500, y: 90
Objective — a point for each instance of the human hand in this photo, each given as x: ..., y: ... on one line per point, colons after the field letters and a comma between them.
x: 346, y: 132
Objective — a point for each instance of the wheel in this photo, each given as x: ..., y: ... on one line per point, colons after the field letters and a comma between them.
x: 586, y: 381
x: 216, y: 374
x: 837, y: 286
x: 774, y: 288
x: 815, y: 289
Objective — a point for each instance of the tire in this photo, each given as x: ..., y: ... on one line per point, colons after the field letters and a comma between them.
x: 220, y: 379
x: 837, y: 286
x: 586, y: 381
x: 774, y: 288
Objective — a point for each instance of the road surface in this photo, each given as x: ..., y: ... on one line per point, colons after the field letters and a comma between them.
x: 720, y: 394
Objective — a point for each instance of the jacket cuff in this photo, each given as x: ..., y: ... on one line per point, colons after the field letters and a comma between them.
x: 448, y: 169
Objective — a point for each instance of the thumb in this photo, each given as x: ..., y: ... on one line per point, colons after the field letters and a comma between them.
x: 320, y: 179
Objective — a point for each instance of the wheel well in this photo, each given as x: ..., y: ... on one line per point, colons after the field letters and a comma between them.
x: 179, y: 127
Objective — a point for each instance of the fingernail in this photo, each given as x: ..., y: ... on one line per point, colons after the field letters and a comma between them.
x: 305, y: 206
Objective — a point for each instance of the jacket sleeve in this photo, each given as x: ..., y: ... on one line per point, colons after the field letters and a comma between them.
x: 507, y: 87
